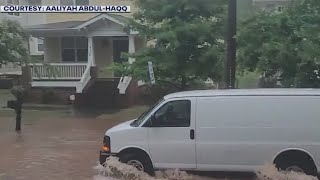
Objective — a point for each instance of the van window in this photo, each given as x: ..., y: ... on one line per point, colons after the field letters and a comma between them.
x: 172, y: 114
x: 140, y: 119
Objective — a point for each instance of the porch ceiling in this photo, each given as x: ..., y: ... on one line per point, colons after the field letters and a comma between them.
x: 80, y: 28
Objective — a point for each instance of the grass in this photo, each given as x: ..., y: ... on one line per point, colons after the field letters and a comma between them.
x: 132, y: 112
x: 5, y: 95
x: 32, y: 114
x: 4, y: 92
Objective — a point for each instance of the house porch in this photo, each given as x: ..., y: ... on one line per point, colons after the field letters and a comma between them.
x: 77, y: 53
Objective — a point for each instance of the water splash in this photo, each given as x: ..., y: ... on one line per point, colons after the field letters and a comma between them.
x: 270, y: 172
x: 115, y: 170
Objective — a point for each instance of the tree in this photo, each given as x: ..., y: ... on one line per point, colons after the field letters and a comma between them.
x: 283, y: 45
x: 187, y: 36
x: 12, y: 43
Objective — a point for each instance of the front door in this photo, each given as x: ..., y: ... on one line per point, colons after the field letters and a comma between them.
x: 171, y: 135
x: 120, y: 45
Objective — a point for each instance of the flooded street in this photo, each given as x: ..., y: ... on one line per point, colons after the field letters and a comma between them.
x: 59, y: 145
x: 52, y: 145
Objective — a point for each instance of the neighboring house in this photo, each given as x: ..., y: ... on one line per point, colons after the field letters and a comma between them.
x: 80, y: 46
x: 26, y: 19
x: 247, y: 8
x: 35, y: 45
x: 270, y: 4
x: 244, y: 9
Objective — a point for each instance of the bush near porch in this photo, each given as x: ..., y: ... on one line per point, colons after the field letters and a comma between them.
x: 49, y: 96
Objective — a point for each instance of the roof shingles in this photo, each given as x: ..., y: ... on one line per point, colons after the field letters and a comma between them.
x: 71, y: 24
x: 59, y: 25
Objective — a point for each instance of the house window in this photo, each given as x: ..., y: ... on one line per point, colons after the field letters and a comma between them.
x: 280, y: 8
x: 74, y: 2
x: 74, y: 49
x: 82, y: 2
x: 34, y: 2
x: 40, y: 45
x: 13, y: 3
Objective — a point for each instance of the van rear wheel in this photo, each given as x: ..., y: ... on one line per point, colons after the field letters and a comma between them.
x: 302, y: 164
x: 139, y: 161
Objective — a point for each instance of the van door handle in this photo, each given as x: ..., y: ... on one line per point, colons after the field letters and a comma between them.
x: 191, y: 133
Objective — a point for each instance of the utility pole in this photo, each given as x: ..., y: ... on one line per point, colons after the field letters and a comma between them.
x: 230, y: 65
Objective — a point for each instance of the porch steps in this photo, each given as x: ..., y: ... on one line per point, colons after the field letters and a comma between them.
x: 102, y: 93
x: 89, y: 84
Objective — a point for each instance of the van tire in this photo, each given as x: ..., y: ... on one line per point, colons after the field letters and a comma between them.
x: 144, y: 160
x: 305, y: 163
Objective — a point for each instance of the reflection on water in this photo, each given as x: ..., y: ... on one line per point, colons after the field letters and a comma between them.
x: 91, y: 112
x: 69, y: 111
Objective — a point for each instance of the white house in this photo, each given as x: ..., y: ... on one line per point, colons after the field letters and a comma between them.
x: 76, y: 50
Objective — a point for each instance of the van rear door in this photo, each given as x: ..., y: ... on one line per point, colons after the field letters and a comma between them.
x: 171, y: 134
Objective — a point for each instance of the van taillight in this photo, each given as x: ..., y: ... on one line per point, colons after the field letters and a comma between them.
x: 106, y: 144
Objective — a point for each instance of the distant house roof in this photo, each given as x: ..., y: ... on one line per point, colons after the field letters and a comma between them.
x: 120, y: 18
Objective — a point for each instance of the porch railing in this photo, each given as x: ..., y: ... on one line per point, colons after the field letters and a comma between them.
x: 84, y: 80
x: 58, y: 71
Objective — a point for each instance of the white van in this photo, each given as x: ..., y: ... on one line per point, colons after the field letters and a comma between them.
x: 223, y: 130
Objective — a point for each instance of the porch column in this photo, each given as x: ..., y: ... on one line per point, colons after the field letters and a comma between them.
x: 45, y: 51
x: 132, y: 48
x: 91, y: 59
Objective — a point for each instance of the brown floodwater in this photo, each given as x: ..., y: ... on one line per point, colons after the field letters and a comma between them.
x: 58, y: 146
x: 51, y: 145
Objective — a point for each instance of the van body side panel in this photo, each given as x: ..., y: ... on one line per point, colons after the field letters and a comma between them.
x: 245, y: 132
x: 171, y: 147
